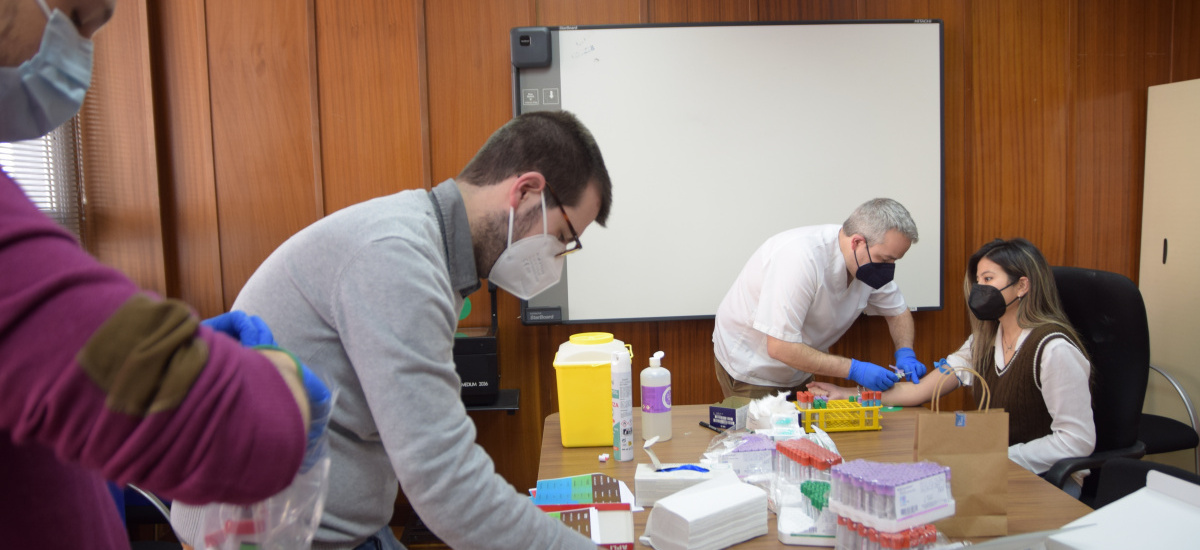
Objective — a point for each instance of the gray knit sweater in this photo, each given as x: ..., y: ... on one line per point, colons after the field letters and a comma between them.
x: 371, y: 295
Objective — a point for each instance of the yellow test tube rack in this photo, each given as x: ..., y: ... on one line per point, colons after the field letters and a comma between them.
x: 841, y: 415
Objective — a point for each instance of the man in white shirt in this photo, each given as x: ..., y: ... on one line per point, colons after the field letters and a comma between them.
x: 801, y: 291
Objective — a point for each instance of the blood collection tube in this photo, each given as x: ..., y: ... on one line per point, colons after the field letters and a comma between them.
x: 864, y: 541
x: 779, y: 461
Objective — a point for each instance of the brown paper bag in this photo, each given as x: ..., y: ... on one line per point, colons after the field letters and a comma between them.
x: 974, y: 444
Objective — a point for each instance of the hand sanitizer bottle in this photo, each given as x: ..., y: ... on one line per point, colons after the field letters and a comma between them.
x: 656, y: 400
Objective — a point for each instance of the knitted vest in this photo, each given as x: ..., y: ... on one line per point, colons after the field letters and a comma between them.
x: 1018, y: 388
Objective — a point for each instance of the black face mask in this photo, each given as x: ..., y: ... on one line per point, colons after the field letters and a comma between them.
x: 987, y: 303
x: 875, y: 275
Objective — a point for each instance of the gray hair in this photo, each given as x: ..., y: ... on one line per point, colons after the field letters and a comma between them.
x: 874, y: 218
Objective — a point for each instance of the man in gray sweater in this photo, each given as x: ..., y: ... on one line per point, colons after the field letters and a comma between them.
x: 372, y: 294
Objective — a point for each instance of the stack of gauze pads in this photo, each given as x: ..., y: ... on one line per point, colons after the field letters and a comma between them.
x: 708, y: 516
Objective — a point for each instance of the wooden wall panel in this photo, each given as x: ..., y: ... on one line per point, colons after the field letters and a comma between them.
x: 1110, y: 127
x: 585, y: 12
x: 1020, y: 86
x: 265, y: 143
x: 698, y: 11
x: 692, y: 374
x: 373, y: 131
x: 470, y: 77
x: 1185, y: 39
x: 1047, y: 182
x: 815, y: 10
x: 1158, y: 41
x: 893, y: 9
x: 123, y: 217
x: 183, y: 113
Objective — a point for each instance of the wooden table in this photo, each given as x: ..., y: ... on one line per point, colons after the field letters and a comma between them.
x: 1033, y: 504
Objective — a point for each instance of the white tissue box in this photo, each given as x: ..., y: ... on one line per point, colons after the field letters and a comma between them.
x: 650, y: 486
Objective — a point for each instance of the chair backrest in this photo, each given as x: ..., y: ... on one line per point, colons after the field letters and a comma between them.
x: 1107, y: 311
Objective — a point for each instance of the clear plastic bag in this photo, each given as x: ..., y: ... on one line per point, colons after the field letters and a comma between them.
x: 284, y: 521
x: 749, y: 454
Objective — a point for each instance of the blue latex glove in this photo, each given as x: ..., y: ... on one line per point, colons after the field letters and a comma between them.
x: 320, y: 405
x: 871, y: 376
x: 906, y: 360
x: 320, y: 402
x: 250, y: 330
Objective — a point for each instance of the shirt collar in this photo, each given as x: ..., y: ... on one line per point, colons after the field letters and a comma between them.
x: 998, y: 345
x: 456, y: 236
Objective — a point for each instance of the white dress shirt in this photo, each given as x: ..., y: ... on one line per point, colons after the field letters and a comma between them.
x: 794, y: 288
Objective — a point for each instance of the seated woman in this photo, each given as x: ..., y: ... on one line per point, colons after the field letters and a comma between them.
x: 1024, y: 347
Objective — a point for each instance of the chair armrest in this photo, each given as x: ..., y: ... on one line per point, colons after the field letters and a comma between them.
x: 154, y: 501
x: 1058, y: 473
x: 1187, y: 403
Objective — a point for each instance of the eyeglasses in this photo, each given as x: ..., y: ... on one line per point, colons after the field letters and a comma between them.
x: 574, y: 246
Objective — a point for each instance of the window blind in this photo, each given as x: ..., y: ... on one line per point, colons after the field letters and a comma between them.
x: 49, y: 170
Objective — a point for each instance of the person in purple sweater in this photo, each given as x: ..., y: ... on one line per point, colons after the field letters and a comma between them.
x: 99, y: 380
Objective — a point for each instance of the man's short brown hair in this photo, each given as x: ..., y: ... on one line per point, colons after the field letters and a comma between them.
x: 553, y: 143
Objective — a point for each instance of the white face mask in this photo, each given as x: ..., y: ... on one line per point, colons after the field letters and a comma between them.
x: 48, y: 89
x: 531, y: 265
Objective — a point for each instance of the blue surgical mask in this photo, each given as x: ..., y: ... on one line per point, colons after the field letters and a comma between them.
x: 48, y: 89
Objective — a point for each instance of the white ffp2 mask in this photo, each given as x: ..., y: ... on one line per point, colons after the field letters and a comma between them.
x: 529, y: 266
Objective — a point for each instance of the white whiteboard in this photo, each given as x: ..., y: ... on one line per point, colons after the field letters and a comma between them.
x: 717, y: 137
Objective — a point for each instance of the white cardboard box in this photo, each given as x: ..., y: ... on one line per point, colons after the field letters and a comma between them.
x: 729, y: 414
x: 1163, y: 514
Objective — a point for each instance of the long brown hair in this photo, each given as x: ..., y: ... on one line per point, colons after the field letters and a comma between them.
x: 1039, y: 307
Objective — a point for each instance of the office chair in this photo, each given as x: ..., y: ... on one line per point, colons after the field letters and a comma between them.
x: 1107, y: 311
x: 1123, y: 476
x: 140, y: 507
x: 1163, y: 435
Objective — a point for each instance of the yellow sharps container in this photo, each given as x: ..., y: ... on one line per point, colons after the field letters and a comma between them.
x: 582, y: 368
